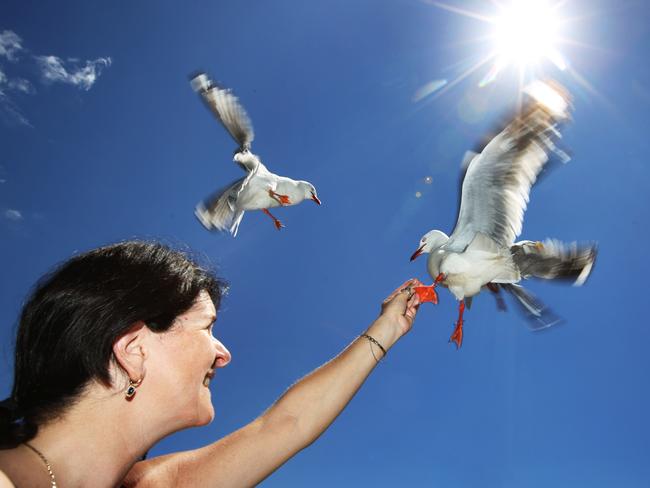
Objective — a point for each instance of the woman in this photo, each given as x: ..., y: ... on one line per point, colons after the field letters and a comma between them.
x: 115, y: 351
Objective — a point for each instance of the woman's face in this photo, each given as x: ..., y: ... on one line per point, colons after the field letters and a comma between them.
x: 184, y: 360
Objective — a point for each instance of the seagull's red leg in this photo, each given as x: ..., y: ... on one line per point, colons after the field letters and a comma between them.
x: 278, y: 224
x: 428, y: 293
x: 457, y: 336
x: 494, y: 288
x: 283, y: 199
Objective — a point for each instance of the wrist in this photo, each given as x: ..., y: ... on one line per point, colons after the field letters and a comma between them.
x: 384, y: 333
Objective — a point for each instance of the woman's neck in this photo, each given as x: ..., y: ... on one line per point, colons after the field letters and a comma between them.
x: 95, y: 443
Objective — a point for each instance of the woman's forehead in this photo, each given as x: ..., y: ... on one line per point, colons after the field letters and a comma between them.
x: 203, y: 308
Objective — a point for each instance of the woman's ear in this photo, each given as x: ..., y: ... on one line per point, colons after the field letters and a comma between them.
x: 130, y: 350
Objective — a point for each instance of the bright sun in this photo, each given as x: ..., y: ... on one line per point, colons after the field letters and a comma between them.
x: 526, y: 32
x: 521, y: 34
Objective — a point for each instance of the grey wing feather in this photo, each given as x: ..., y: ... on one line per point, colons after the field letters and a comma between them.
x: 554, y: 260
x: 226, y: 108
x: 221, y: 211
x: 497, y: 184
x: 538, y: 315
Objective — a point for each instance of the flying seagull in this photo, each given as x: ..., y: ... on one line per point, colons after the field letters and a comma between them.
x: 259, y: 189
x: 481, y: 251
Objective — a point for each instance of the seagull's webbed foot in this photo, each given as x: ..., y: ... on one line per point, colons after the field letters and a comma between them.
x: 283, y: 199
x: 457, y: 335
x: 428, y: 293
x: 278, y: 224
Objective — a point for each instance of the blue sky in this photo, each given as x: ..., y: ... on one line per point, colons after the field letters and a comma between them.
x: 106, y: 141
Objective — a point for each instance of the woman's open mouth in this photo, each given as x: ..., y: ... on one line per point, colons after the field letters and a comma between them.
x: 208, y: 377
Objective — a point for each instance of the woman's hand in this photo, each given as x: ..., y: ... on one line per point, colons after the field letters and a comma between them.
x: 398, y: 311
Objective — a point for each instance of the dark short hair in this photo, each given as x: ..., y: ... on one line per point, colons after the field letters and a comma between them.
x: 75, y: 314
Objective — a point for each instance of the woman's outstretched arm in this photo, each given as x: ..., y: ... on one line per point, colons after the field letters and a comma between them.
x: 294, y: 421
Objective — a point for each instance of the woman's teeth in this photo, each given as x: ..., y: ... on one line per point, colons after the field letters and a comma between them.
x: 208, y: 377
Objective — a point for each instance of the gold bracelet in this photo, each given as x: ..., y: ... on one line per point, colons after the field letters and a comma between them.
x: 374, y: 341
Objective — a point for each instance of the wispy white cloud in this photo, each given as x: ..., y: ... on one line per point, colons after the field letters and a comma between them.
x: 53, y: 69
x: 13, y: 214
x: 75, y: 72
x: 10, y: 113
x: 21, y: 84
x: 10, y: 44
x: 18, y: 84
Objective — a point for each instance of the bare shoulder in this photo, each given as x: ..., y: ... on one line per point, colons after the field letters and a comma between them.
x: 156, y: 472
x: 5, y: 482
x: 8, y: 463
x: 242, y: 458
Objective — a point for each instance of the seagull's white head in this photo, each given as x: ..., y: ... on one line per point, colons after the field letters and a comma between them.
x: 308, y: 191
x: 430, y: 241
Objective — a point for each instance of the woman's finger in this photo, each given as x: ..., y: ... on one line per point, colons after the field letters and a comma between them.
x: 412, y: 307
x: 414, y: 301
x: 406, y: 286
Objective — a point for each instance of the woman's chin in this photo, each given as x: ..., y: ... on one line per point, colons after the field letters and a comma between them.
x: 198, y: 412
x: 207, y: 419
x: 206, y: 415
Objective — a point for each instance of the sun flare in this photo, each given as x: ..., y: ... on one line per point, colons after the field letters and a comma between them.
x: 521, y: 36
x: 526, y: 32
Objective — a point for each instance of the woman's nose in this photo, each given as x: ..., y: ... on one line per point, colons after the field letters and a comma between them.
x: 223, y: 355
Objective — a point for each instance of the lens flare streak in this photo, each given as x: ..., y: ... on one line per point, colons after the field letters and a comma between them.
x: 525, y: 35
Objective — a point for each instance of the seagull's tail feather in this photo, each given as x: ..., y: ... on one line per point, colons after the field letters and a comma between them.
x: 221, y: 212
x: 538, y: 315
x: 554, y: 260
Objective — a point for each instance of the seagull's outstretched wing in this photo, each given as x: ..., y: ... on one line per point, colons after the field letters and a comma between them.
x: 226, y: 108
x: 498, y: 181
x: 221, y: 211
x: 554, y: 260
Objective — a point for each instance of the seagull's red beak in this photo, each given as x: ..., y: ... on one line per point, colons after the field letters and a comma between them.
x: 315, y: 198
x: 417, y: 253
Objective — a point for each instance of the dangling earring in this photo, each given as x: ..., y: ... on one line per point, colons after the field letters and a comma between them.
x: 130, y: 391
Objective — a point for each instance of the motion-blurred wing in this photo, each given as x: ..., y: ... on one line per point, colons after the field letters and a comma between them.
x: 554, y: 260
x: 537, y: 314
x: 497, y: 184
x: 221, y: 211
x: 226, y: 108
